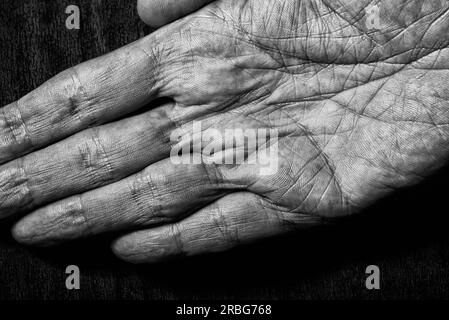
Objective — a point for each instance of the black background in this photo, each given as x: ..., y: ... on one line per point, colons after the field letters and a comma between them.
x: 405, y: 235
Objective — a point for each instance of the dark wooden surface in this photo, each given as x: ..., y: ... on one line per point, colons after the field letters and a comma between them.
x: 406, y: 235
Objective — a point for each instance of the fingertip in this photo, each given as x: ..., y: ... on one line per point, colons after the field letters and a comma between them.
x: 32, y: 230
x: 157, y: 13
x: 124, y: 249
x: 150, y: 14
x: 142, y: 247
x: 22, y: 233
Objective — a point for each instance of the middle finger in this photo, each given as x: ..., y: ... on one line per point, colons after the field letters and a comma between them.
x: 85, y: 161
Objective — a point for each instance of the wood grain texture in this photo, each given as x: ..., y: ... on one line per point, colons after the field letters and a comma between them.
x: 406, y: 235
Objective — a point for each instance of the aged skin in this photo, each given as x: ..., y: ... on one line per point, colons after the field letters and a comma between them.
x: 361, y: 112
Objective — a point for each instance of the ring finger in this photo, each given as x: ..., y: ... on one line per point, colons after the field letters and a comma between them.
x: 162, y: 193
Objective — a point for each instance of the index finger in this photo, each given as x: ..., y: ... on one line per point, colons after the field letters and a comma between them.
x: 94, y: 92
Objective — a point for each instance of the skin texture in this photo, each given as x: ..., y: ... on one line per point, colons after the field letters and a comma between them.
x: 360, y: 112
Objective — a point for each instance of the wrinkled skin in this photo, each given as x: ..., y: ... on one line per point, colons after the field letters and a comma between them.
x: 360, y: 113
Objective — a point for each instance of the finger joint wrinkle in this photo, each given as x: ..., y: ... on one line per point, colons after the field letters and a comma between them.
x: 14, y: 188
x: 176, y: 236
x: 78, y: 99
x: 104, y: 159
x: 95, y: 160
x: 76, y: 213
x: 147, y: 198
x: 16, y: 127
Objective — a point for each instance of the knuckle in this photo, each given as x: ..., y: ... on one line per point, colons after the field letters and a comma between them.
x: 15, y: 136
x: 73, y: 213
x: 15, y: 193
x: 146, y: 194
x: 79, y: 103
x: 76, y: 93
x: 95, y: 160
x: 174, y: 234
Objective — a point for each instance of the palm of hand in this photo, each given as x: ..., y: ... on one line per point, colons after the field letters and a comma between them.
x: 360, y: 112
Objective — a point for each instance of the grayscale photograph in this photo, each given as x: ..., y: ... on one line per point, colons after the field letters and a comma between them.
x: 226, y: 157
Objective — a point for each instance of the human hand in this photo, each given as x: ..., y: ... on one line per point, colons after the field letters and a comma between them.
x: 360, y: 113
